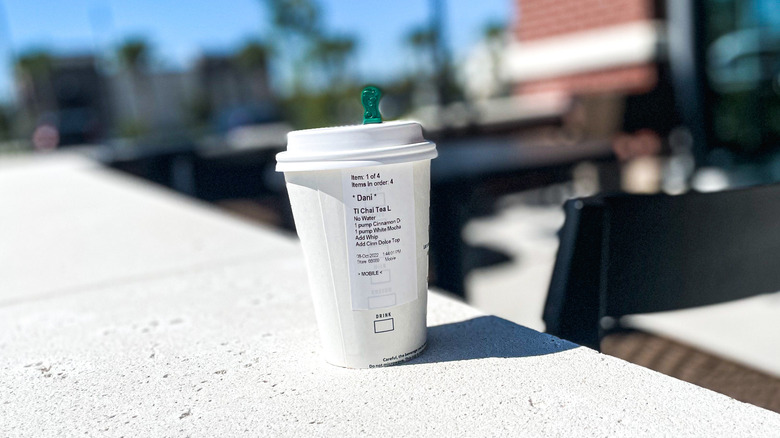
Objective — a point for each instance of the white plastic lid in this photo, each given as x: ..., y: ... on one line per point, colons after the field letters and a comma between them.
x: 354, y: 146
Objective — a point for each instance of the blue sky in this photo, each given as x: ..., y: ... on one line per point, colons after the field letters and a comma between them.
x: 180, y: 30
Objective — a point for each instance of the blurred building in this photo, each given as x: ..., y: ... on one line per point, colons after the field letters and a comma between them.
x: 646, y: 66
x: 585, y: 46
x: 593, y: 52
x: 226, y: 84
x: 590, y: 68
x: 143, y: 102
x: 66, y: 93
x: 81, y: 103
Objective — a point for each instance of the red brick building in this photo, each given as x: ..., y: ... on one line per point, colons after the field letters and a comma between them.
x: 640, y: 68
x: 595, y: 52
x: 585, y: 46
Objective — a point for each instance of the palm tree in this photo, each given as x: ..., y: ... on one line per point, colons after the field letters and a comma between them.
x: 494, y: 31
x: 331, y: 54
x: 295, y: 16
x: 494, y: 35
x: 252, y: 62
x: 134, y: 54
x: 253, y: 55
x: 133, y: 57
x: 295, y: 24
x: 34, y: 70
x: 5, y: 123
x: 422, y: 41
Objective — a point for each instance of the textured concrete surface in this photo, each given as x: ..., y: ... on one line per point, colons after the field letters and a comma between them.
x: 224, y: 344
x: 67, y: 226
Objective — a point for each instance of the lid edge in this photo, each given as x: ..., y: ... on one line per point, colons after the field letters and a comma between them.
x: 318, y: 165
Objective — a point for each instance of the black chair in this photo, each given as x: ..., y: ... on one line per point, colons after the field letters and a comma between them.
x: 629, y: 254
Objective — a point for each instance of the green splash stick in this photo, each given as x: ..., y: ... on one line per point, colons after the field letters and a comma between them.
x: 370, y: 97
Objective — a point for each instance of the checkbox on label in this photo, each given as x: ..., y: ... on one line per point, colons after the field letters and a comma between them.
x: 383, y: 277
x: 384, y: 325
x: 381, y: 301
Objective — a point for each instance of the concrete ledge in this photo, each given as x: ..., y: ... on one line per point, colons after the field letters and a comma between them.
x: 234, y: 351
x: 230, y: 348
x: 71, y: 226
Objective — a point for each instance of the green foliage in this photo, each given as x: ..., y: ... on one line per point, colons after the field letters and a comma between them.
x: 131, y: 128
x: 253, y: 55
x: 5, y: 124
x: 300, y: 17
x: 421, y: 38
x: 329, y: 57
x: 432, y: 64
x: 37, y: 63
x: 398, y: 97
x: 333, y: 107
x: 199, y: 111
x: 134, y: 53
x: 494, y: 30
x: 317, y: 60
x: 336, y: 107
x: 332, y: 50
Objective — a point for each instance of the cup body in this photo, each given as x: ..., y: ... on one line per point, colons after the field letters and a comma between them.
x: 364, y: 232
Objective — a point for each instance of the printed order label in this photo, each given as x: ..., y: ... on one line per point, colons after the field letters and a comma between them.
x: 379, y: 211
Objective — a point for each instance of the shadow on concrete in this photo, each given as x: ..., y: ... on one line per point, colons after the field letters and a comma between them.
x: 487, y: 336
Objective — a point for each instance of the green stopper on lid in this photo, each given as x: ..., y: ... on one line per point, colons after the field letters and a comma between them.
x: 370, y: 97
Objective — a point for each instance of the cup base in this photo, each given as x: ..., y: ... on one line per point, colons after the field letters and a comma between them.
x: 394, y: 361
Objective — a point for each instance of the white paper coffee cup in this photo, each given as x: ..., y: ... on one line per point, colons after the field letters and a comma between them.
x: 360, y: 197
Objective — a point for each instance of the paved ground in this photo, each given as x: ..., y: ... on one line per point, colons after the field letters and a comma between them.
x: 515, y: 289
